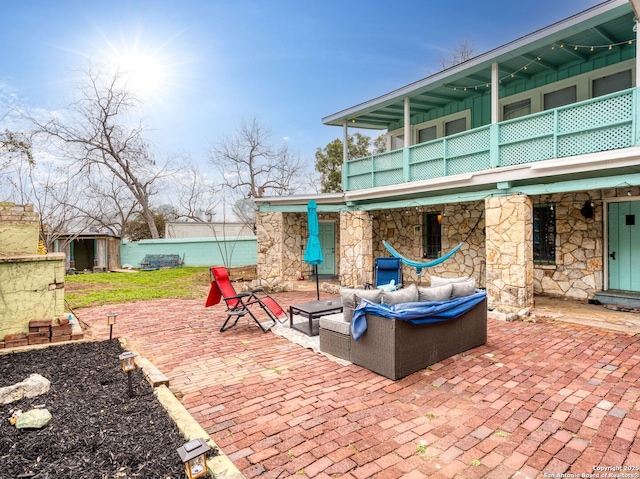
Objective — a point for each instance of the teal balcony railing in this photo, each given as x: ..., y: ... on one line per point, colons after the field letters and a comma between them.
x: 604, y: 123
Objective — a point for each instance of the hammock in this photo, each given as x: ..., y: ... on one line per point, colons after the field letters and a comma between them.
x: 417, y: 264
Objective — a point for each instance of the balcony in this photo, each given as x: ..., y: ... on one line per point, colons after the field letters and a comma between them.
x: 604, y: 123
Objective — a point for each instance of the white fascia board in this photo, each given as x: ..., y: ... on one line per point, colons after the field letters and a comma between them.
x: 556, y: 166
x: 512, y: 49
x: 409, y: 188
x: 615, y: 158
x: 320, y: 199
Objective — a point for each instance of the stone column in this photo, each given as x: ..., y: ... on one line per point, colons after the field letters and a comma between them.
x: 269, y: 233
x: 509, y: 246
x: 356, y: 248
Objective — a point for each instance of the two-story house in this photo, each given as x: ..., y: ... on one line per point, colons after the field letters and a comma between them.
x: 527, y: 154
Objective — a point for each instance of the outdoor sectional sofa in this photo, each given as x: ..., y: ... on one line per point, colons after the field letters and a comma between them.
x: 395, y: 338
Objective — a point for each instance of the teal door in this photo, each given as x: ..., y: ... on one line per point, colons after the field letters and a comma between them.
x: 327, y: 238
x: 624, y: 245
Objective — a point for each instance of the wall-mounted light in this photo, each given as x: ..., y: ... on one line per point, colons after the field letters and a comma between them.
x: 587, y: 210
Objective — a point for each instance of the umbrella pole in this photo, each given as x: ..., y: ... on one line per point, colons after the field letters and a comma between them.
x: 315, y: 267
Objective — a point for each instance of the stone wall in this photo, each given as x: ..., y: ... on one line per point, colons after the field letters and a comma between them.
x: 282, y: 238
x: 402, y: 228
x: 578, y: 271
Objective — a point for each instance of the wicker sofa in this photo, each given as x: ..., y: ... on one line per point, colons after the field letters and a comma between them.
x: 396, y: 348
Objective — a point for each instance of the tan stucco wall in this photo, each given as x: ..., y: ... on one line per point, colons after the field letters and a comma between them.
x: 18, y: 229
x: 31, y: 287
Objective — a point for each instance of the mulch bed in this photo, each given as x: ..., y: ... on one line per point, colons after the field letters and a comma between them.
x: 97, y: 430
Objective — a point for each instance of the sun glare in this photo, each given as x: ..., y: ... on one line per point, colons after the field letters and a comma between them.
x: 148, y: 70
x: 146, y: 73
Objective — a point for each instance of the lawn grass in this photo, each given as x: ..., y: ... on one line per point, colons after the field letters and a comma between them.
x: 93, y: 289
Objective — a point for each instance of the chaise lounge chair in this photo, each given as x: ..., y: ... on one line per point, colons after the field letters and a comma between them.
x: 386, y: 270
x: 239, y: 305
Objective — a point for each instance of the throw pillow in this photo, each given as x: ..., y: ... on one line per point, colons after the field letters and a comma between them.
x: 373, y: 295
x: 463, y: 288
x: 351, y: 299
x: 435, y: 293
x: 405, y: 295
x: 437, y: 281
x: 346, y: 294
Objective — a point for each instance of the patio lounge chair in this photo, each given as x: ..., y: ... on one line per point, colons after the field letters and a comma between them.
x: 239, y: 305
x: 386, y: 270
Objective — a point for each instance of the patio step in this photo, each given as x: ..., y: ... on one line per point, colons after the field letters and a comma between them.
x: 622, y: 299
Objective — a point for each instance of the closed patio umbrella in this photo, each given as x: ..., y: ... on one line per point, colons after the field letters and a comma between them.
x: 313, y: 253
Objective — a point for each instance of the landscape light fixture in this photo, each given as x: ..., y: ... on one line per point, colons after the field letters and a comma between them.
x: 128, y: 364
x: 111, y: 320
x: 194, y: 457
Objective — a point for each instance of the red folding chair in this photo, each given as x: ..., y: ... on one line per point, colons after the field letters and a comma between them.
x: 239, y: 305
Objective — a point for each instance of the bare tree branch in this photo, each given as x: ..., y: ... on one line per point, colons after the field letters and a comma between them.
x: 197, y: 196
x: 461, y: 53
x: 97, y: 133
x: 251, y: 167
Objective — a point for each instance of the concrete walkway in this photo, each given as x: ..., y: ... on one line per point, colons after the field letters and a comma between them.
x: 539, y: 399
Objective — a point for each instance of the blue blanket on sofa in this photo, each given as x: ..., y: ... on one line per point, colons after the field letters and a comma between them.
x: 414, y: 313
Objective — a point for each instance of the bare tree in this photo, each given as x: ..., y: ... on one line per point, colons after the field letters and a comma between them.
x: 251, y: 167
x: 99, y: 136
x: 463, y: 52
x: 197, y: 196
x: 15, y: 156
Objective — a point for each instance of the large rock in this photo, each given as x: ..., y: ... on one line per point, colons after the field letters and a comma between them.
x: 31, y: 387
x: 34, y: 419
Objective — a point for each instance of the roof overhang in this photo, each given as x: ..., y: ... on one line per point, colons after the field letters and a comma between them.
x: 585, y: 28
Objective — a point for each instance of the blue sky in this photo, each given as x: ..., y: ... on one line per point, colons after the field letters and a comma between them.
x: 287, y: 62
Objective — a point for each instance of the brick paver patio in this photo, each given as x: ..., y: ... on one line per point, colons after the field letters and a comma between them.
x: 539, y: 399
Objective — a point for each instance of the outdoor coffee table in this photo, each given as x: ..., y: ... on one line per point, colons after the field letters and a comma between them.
x: 313, y: 310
